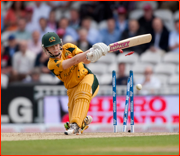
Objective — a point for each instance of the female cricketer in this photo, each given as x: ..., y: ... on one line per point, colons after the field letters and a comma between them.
x: 67, y: 62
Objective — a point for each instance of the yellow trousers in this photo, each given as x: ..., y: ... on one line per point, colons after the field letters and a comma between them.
x: 80, y: 97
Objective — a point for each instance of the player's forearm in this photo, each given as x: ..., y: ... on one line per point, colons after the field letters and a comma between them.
x: 85, y: 60
x: 75, y: 60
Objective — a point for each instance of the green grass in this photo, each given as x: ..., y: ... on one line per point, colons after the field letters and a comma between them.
x: 166, y: 145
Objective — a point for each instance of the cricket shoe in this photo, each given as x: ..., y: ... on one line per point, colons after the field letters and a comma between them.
x: 66, y: 125
x: 86, y: 122
x: 74, y: 129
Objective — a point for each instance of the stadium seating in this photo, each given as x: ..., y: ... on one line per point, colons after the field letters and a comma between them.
x: 47, y: 78
x: 111, y: 67
x: 58, y: 14
x: 4, y: 81
x: 128, y: 59
x: 171, y: 58
x: 177, y: 69
x: 138, y: 68
x: 165, y: 68
x: 150, y: 57
x: 137, y: 77
x: 102, y: 25
x: 108, y: 59
x: 98, y: 68
x: 77, y: 4
x: 174, y: 80
x: 167, y: 17
x: 136, y: 14
x: 105, y: 79
x: 140, y: 4
x: 163, y: 79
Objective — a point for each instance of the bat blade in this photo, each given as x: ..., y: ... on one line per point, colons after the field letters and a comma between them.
x: 130, y: 42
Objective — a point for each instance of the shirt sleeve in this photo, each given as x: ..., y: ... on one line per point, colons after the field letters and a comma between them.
x: 77, y: 51
x: 72, y: 49
x: 55, y: 66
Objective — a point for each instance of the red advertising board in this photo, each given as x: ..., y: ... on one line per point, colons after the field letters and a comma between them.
x: 147, y: 109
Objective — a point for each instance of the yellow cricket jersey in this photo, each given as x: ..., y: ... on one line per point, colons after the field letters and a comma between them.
x: 73, y: 75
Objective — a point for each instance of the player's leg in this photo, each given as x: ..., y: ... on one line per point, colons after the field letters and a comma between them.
x: 82, y: 99
x: 70, y: 93
x: 88, y: 118
x: 83, y: 94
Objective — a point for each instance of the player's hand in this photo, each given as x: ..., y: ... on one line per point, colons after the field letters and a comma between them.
x: 102, y: 47
x: 93, y: 55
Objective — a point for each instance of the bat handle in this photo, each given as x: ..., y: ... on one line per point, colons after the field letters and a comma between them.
x: 108, y: 48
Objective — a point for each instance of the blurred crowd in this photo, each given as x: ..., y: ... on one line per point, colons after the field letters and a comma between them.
x: 82, y: 23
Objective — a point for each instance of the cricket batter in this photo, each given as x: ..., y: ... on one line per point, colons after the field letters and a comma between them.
x: 67, y: 62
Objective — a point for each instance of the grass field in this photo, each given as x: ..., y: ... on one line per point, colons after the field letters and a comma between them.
x: 141, y: 145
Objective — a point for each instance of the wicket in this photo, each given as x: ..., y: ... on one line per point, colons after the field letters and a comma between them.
x: 131, y: 101
x: 126, y: 106
x: 129, y: 93
x: 114, y: 102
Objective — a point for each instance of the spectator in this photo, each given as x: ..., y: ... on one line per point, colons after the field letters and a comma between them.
x: 2, y: 22
x: 22, y: 63
x: 74, y: 21
x: 103, y: 10
x: 64, y: 24
x: 21, y: 33
x: 59, y: 4
x: 40, y: 10
x: 145, y: 21
x: 129, y: 5
x: 43, y: 27
x: 30, y: 25
x: 121, y: 78
x: 34, y: 77
x: 93, y: 34
x: 169, y: 5
x: 83, y: 43
x: 174, y: 38
x: 134, y: 30
x: 88, y: 9
x: 121, y: 22
x: 34, y: 45
x: 61, y: 32
x: 52, y: 20
x: 41, y: 62
x: 5, y: 62
x: 160, y: 37
x: 110, y: 34
x: 69, y: 39
x: 149, y: 83
x: 15, y: 12
x: 12, y: 46
x: 98, y: 10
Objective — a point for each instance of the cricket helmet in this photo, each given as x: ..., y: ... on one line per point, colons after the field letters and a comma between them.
x: 50, y: 39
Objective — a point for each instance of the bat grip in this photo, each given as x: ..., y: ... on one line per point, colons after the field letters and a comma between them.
x: 108, y: 48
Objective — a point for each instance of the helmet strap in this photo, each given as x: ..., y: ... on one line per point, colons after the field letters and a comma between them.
x: 51, y: 55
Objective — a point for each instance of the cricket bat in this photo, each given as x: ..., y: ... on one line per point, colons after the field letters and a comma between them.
x: 130, y: 42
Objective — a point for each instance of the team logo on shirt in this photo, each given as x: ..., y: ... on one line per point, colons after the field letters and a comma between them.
x: 52, y: 39
x: 68, y: 55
